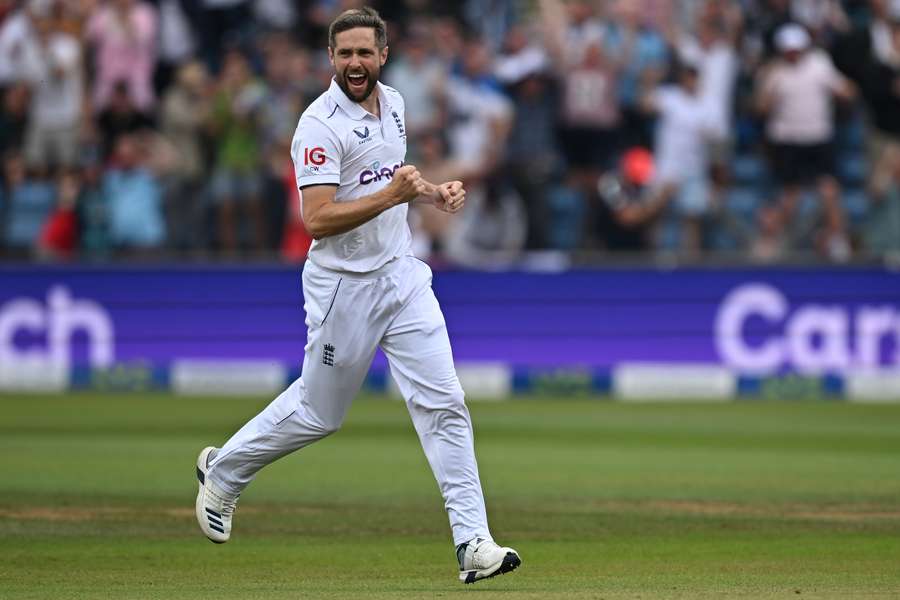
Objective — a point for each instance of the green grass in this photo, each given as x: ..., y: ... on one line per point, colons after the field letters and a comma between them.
x: 752, y: 500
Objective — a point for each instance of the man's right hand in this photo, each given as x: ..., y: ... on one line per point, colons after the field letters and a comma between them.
x: 406, y: 185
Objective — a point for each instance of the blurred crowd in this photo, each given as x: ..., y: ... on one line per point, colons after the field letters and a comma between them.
x: 761, y: 129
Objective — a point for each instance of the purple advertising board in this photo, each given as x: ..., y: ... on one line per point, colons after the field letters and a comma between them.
x: 752, y: 321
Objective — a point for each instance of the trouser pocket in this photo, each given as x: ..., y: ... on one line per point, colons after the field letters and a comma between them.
x: 320, y: 293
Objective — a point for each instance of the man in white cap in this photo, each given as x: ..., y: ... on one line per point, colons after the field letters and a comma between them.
x: 796, y: 93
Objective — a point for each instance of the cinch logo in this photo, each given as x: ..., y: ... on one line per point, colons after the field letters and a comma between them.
x: 315, y: 156
x: 375, y: 174
x: 23, y: 319
x: 757, y: 332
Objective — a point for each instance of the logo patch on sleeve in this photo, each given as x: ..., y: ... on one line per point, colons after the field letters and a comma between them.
x: 314, y: 156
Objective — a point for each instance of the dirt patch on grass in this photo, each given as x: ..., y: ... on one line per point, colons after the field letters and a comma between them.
x: 74, y: 514
x: 65, y: 513
x: 834, y: 513
x: 849, y: 513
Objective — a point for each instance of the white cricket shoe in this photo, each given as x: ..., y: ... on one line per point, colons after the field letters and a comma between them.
x: 481, y: 558
x: 214, y: 507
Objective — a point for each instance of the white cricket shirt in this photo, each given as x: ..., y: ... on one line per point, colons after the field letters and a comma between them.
x: 802, y: 108
x: 338, y: 142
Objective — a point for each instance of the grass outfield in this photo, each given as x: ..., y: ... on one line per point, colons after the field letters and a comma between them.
x: 748, y: 500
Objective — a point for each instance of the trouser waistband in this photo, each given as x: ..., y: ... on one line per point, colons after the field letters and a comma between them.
x: 383, y: 271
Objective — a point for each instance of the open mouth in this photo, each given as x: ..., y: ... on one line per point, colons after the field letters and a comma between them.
x: 357, y: 81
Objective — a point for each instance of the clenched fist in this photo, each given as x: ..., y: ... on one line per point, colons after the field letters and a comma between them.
x: 451, y: 196
x: 406, y: 185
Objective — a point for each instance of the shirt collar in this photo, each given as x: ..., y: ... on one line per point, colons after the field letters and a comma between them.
x: 354, y: 110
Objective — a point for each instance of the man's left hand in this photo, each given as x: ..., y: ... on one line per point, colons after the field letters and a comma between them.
x: 450, y: 196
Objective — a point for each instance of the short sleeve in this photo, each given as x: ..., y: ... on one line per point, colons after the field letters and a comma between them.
x: 316, y: 151
x: 830, y: 74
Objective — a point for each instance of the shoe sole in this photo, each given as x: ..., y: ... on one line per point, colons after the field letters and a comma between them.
x: 509, y: 563
x: 198, y: 505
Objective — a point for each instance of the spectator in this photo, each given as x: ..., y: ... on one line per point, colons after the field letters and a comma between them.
x: 854, y: 51
x: 283, y: 95
x: 680, y: 151
x: 420, y: 78
x: 712, y: 49
x: 766, y: 18
x: 491, y: 232
x: 769, y: 244
x: 176, y: 43
x: 449, y: 44
x: 19, y: 48
x: 134, y: 198
x: 479, y: 116
x: 236, y: 183
x: 796, y: 94
x: 285, y: 81
x: 123, y: 34
x: 185, y: 112
x: 29, y: 202
x: 822, y: 18
x: 639, y: 49
x: 276, y: 14
x: 121, y: 116
x: 59, y: 235
x: 93, y: 214
x: 589, y: 80
x: 479, y: 119
x: 308, y: 80
x: 428, y: 224
x: 590, y: 112
x: 218, y: 23
x: 880, y: 83
x: 14, y: 117
x: 629, y: 206
x: 583, y: 27
x: 57, y: 86
x: 871, y: 57
x: 533, y: 154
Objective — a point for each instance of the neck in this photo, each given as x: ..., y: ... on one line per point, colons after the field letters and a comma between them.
x: 371, y: 103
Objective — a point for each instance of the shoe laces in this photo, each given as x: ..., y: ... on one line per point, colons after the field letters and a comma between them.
x: 226, y: 506
x: 486, y: 547
x: 481, y: 553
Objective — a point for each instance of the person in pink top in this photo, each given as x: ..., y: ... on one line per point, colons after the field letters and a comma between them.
x: 123, y: 34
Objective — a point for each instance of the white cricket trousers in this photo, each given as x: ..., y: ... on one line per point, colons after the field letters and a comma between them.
x: 349, y: 315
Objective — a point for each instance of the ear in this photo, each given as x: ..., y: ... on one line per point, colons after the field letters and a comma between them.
x: 331, y: 55
x: 384, y: 55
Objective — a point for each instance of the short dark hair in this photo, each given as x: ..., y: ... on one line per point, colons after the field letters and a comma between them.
x: 358, y: 17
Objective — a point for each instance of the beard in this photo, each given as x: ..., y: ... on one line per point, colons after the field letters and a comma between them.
x: 371, y: 80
